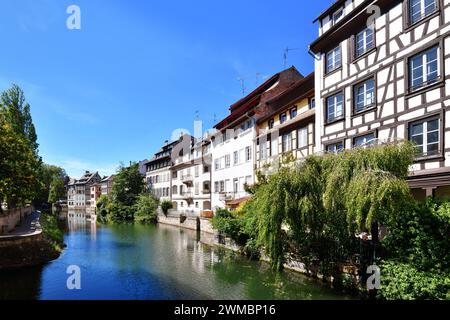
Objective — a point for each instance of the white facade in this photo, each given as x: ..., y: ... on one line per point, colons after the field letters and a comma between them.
x: 191, y: 181
x: 384, y: 78
x: 233, y: 163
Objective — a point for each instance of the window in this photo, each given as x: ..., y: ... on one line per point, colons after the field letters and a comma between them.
x: 419, y: 9
x: 338, y: 15
x: 248, y: 154
x: 364, y: 41
x: 217, y: 164
x: 235, y: 185
x: 364, y: 95
x: 236, y: 158
x: 335, y: 147
x: 271, y: 123
x: 216, y: 186
x: 303, y: 137
x: 312, y: 103
x: 205, y: 169
x: 222, y: 186
x: 263, y: 150
x: 366, y: 140
x: 197, y: 171
x: 174, y: 190
x: 227, y: 161
x: 424, y: 69
x: 197, y: 188
x: 283, y: 118
x: 287, y: 142
x: 425, y: 134
x: 293, y: 112
x: 333, y: 59
x: 335, y: 108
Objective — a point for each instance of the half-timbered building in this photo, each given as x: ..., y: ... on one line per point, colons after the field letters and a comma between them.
x: 381, y: 74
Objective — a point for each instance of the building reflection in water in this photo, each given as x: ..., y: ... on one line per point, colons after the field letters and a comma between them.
x: 80, y: 220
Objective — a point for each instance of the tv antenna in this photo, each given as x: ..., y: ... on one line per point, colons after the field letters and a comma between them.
x: 286, y: 54
x: 242, y: 81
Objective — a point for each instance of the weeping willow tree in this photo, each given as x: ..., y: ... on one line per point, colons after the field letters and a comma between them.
x: 321, y: 203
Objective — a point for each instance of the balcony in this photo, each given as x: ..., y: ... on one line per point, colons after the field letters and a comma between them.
x: 187, y: 179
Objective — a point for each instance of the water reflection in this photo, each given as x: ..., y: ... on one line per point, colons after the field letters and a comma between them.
x: 154, y: 262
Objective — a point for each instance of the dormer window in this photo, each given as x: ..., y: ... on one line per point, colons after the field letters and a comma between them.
x: 338, y: 15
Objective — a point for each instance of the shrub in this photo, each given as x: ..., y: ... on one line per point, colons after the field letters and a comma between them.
x: 400, y: 281
x: 166, y: 205
x: 146, y: 208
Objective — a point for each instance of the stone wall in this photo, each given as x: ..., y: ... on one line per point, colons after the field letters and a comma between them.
x: 11, y: 218
x: 192, y: 223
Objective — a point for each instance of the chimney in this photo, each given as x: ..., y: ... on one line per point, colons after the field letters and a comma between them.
x: 166, y: 143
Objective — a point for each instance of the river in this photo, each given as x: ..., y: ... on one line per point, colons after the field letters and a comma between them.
x: 154, y: 262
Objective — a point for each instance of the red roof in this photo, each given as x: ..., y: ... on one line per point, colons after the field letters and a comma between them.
x: 252, y: 100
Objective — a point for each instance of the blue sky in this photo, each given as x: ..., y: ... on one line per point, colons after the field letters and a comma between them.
x: 116, y: 89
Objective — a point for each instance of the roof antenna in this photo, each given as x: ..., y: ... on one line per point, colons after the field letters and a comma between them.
x: 286, y: 53
x: 242, y: 81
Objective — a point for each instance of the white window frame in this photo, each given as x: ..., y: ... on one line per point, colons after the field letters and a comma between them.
x: 366, y: 142
x: 369, y: 100
x: 366, y: 44
x: 424, y: 66
x: 425, y: 133
x: 302, y: 140
x: 338, y: 15
x: 423, y: 8
x: 336, y: 63
x: 334, y: 105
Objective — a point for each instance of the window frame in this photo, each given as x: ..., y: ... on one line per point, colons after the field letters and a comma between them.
x: 335, y: 68
x: 335, y: 143
x: 355, y: 43
x: 307, y: 137
x: 408, y: 18
x: 342, y: 117
x: 437, y: 115
x: 374, y: 133
x: 290, y: 141
x: 439, y: 44
x: 283, y: 114
x: 354, y: 93
x: 294, y: 109
x: 333, y: 16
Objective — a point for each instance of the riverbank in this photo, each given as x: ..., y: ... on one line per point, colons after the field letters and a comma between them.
x: 40, y: 242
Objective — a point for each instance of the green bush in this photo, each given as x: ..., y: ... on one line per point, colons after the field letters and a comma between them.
x: 146, y: 208
x: 166, y: 205
x: 420, y: 236
x: 400, y: 281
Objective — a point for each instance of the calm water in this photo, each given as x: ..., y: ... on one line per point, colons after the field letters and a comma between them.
x: 154, y: 262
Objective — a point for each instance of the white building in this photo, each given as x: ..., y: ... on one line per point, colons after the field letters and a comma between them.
x: 191, y: 180
x: 382, y: 73
x: 158, y: 175
x: 233, y: 147
x: 79, y: 191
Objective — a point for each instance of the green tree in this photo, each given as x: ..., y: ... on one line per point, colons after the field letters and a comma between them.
x: 18, y: 166
x: 128, y: 185
x: 146, y: 206
x: 48, y: 174
x: 57, y: 190
x: 17, y: 114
